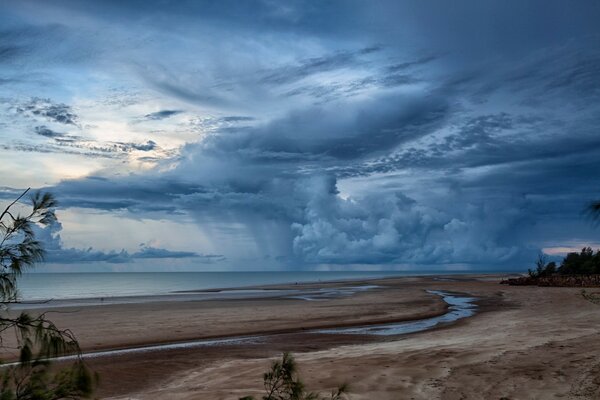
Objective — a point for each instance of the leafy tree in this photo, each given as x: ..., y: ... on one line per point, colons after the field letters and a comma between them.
x: 539, y: 264
x: 37, y: 338
x: 550, y: 269
x: 283, y: 383
x: 543, y: 269
x: 586, y: 262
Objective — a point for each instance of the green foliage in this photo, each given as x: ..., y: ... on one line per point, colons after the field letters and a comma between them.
x: 587, y: 262
x: 584, y: 263
x: 282, y: 382
x: 39, y: 340
x: 37, y: 381
x: 18, y: 247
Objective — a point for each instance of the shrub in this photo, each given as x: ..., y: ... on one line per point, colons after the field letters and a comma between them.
x: 282, y: 382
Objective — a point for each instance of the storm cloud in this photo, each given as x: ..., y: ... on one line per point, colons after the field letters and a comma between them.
x: 311, y: 135
x: 162, y: 114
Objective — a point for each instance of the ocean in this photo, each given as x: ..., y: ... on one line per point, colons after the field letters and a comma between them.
x: 60, y: 286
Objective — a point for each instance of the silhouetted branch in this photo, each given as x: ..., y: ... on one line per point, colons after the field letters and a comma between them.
x: 38, y: 339
x: 593, y: 211
x: 13, y: 203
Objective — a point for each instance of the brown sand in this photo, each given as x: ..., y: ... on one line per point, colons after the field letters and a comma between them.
x: 525, y: 343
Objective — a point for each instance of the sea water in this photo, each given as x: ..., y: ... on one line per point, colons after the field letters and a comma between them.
x: 58, y: 286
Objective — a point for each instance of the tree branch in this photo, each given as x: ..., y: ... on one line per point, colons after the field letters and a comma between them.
x: 13, y: 203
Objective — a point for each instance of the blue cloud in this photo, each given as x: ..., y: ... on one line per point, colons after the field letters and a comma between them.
x: 47, y: 132
x: 162, y: 114
x: 314, y: 134
x: 45, y: 108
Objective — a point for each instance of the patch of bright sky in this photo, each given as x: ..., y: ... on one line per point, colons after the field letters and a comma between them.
x: 571, y: 248
x: 19, y: 170
x: 119, y: 115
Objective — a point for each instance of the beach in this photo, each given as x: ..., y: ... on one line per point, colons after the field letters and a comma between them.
x: 521, y: 343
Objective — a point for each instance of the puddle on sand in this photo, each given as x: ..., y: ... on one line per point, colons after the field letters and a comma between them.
x: 332, y: 293
x: 459, y: 307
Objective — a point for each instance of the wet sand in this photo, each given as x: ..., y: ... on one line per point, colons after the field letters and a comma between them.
x: 523, y: 343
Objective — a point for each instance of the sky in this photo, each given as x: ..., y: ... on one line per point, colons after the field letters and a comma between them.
x: 303, y: 135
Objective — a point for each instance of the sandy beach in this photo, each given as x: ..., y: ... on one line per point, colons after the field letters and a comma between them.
x: 523, y: 342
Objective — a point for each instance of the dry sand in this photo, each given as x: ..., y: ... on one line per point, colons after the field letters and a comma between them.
x: 524, y: 343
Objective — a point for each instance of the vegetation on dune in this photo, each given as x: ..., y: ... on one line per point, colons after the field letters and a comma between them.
x: 587, y: 262
x: 541, y: 268
x: 576, y: 269
x: 38, y: 339
x: 282, y: 382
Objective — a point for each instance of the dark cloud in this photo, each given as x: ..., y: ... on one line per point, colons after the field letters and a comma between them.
x: 547, y: 76
x: 43, y: 130
x: 9, y: 51
x: 46, y: 108
x: 237, y: 118
x: 363, y: 129
x: 338, y: 90
x: 393, y: 228
x: 109, y: 149
x: 158, y: 115
x: 148, y: 146
x: 80, y: 146
x: 137, y: 194
x: 187, y: 91
x: 320, y: 227
x: 304, y: 68
x: 401, y: 67
x: 17, y: 43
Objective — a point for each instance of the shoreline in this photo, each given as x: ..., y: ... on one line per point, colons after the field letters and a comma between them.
x: 285, y: 285
x: 288, y: 291
x: 405, y: 326
x: 417, y: 305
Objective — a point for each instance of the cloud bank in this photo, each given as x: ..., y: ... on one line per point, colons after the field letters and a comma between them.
x: 296, y: 135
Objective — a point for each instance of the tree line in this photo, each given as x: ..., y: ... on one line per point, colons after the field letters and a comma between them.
x: 586, y: 262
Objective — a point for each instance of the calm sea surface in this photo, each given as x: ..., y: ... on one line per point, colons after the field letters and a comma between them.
x: 42, y: 286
